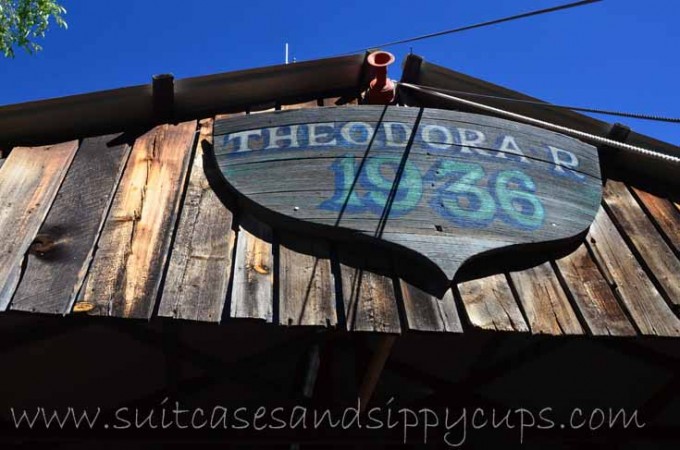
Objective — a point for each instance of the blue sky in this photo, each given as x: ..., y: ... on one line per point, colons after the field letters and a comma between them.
x: 617, y: 54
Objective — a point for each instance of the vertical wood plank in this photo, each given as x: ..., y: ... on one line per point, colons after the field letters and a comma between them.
x: 200, y: 265
x: 490, y: 304
x: 545, y: 304
x: 252, y: 295
x: 126, y: 271
x: 646, y: 306
x: 593, y: 295
x: 369, y: 300
x: 56, y: 268
x: 29, y: 181
x: 425, y: 312
x: 656, y: 254
x: 664, y: 213
x: 306, y: 287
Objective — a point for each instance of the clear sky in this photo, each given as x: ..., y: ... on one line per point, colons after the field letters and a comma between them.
x: 617, y: 54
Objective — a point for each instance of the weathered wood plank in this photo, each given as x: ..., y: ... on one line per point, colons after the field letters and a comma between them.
x: 126, y: 271
x: 56, y: 268
x: 664, y: 213
x: 656, y: 254
x: 253, y: 288
x: 646, y: 306
x: 306, y: 286
x: 252, y: 295
x: 490, y: 304
x: 593, y: 295
x: 544, y: 301
x: 369, y: 300
x: 29, y: 181
x: 425, y: 312
x: 198, y: 273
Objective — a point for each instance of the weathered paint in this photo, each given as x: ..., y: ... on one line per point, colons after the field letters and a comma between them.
x: 448, y: 185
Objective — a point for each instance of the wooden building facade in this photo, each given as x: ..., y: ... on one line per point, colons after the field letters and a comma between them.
x: 112, y: 217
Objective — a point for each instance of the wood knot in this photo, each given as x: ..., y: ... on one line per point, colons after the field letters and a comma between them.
x: 261, y: 269
x: 41, y: 245
x: 83, y: 307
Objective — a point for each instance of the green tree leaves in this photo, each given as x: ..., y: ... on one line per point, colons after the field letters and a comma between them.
x: 23, y: 21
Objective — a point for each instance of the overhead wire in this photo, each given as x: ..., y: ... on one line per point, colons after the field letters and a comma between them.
x: 642, y: 116
x: 482, y: 24
x: 599, y: 140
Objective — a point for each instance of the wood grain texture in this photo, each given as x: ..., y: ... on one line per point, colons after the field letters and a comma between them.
x: 444, y: 184
x: 199, y: 270
x: 252, y: 296
x: 29, y: 181
x: 490, y: 304
x: 57, y: 265
x: 425, y: 312
x: 253, y: 292
x: 544, y: 301
x: 369, y: 301
x: 651, y: 314
x: 665, y: 213
x: 593, y: 295
x: 303, y: 105
x: 306, y: 286
x: 655, y: 252
x: 126, y: 271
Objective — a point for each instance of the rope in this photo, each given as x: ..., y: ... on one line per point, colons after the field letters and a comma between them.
x: 551, y: 126
x: 482, y: 24
x: 653, y: 117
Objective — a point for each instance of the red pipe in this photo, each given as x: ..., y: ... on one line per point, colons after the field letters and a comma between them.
x: 381, y: 91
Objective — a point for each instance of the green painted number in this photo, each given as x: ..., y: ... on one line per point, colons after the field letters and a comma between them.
x: 515, y: 192
x: 463, y: 201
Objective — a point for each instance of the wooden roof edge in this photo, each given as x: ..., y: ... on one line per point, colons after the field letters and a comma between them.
x: 418, y: 71
x: 76, y: 116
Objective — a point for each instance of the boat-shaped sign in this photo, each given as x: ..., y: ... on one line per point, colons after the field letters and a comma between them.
x: 446, y: 185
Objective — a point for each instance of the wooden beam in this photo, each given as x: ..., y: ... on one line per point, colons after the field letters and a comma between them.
x: 375, y: 367
x: 29, y: 181
x: 491, y: 305
x: 57, y: 265
x: 200, y: 266
x: 125, y: 275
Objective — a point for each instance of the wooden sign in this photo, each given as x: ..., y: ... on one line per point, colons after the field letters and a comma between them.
x: 446, y: 185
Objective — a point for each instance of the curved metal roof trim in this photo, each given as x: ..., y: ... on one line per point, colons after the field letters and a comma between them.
x: 114, y: 110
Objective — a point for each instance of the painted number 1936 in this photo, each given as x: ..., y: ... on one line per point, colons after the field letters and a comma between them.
x: 462, y: 192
